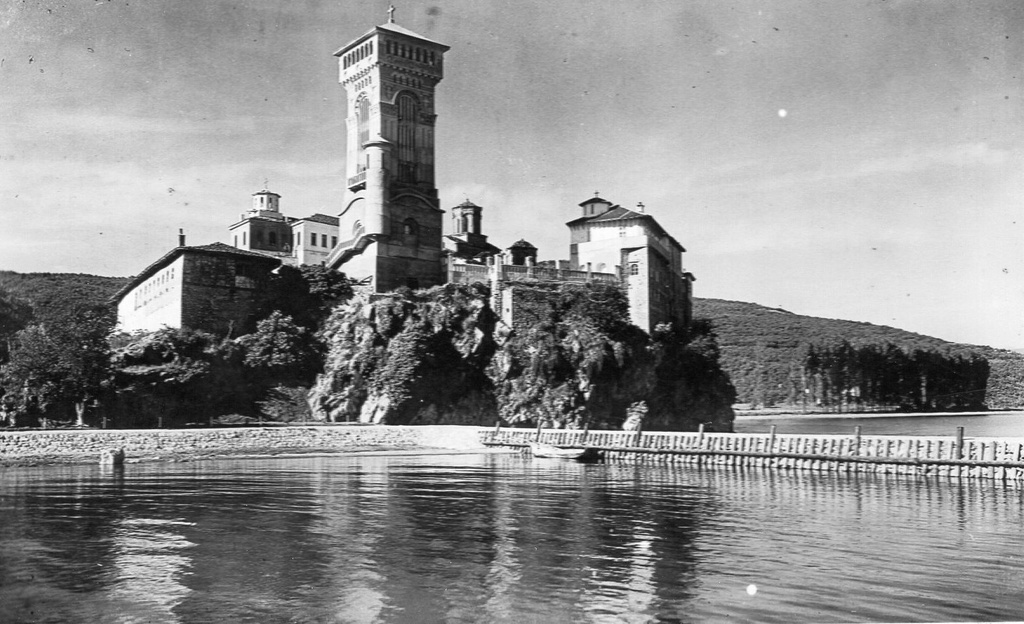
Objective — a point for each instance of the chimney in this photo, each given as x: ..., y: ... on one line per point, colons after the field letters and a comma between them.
x: 640, y: 208
x: 181, y: 237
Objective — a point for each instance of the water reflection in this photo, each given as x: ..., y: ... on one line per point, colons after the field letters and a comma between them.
x: 501, y: 539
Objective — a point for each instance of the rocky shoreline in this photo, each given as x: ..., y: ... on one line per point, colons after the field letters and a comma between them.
x: 36, y: 448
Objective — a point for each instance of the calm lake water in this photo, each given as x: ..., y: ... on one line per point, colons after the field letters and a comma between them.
x: 995, y: 424
x: 501, y: 538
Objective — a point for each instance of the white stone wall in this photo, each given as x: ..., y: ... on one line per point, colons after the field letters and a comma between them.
x: 306, y: 252
x: 154, y: 303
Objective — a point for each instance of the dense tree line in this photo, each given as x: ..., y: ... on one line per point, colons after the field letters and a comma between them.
x: 763, y: 349
x: 845, y: 377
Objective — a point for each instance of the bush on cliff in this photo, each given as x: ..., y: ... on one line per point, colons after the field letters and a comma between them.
x: 441, y: 356
x: 173, y: 377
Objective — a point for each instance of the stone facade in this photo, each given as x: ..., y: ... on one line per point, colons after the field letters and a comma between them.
x: 391, y: 224
x: 214, y: 288
x: 265, y: 229
x: 633, y: 244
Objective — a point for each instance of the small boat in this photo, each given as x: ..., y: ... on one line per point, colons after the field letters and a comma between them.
x: 539, y: 449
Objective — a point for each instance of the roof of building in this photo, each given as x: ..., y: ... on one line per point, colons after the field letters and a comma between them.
x: 522, y: 243
x: 593, y: 199
x: 219, y: 249
x: 320, y: 218
x: 392, y: 28
x: 618, y: 213
x: 484, y: 248
x: 467, y: 204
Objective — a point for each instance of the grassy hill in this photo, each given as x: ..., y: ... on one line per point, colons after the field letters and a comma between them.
x: 761, y: 349
x: 36, y: 297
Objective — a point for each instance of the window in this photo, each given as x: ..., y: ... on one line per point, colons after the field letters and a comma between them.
x: 259, y: 237
x: 334, y: 242
x: 323, y: 240
x: 312, y: 240
x: 236, y: 240
x: 408, y: 120
x: 622, y: 230
x: 410, y: 232
x: 634, y: 269
x: 272, y: 239
x: 243, y: 239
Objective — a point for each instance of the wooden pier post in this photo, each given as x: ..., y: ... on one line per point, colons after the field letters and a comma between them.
x: 959, y: 453
x: 771, y: 441
x: 700, y: 436
x: 856, y: 441
x: 540, y: 424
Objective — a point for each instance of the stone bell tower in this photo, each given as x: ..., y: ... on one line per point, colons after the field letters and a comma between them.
x: 390, y: 225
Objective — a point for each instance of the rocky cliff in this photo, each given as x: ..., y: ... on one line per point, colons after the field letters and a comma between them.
x: 443, y: 357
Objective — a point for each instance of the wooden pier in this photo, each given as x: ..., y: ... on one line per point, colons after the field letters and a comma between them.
x: 950, y: 456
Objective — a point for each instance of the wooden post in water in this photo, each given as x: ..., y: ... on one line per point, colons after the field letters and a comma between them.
x: 771, y: 441
x: 959, y: 454
x: 640, y: 432
x: 856, y: 441
x: 586, y: 430
x: 540, y: 423
x: 700, y: 436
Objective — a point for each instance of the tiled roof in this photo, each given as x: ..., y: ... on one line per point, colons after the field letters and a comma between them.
x: 172, y: 255
x: 618, y: 213
x: 593, y: 199
x: 390, y: 27
x: 321, y: 218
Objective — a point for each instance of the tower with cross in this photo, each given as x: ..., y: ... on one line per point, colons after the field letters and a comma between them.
x: 390, y: 221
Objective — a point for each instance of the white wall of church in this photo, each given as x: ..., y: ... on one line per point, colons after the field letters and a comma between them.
x: 154, y: 303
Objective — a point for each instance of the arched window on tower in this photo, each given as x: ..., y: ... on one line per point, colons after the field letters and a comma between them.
x: 408, y: 120
x: 464, y: 224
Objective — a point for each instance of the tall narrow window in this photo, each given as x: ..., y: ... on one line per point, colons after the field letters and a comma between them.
x: 363, y: 121
x: 312, y: 240
x: 323, y: 240
x: 408, y: 117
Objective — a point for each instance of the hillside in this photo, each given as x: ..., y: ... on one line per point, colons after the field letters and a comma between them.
x: 28, y: 297
x: 762, y: 348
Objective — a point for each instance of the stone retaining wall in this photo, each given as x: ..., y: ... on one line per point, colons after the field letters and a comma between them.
x: 84, y: 446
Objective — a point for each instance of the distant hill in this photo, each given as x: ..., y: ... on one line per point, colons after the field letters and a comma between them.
x: 761, y: 347
x: 36, y: 297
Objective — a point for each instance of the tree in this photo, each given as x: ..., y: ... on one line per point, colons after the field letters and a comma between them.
x: 61, y: 362
x: 306, y: 294
x: 281, y: 351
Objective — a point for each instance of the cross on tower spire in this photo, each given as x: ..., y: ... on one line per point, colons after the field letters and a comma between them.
x: 391, y: 14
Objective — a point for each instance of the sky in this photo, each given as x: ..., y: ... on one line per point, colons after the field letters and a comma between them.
x: 854, y: 159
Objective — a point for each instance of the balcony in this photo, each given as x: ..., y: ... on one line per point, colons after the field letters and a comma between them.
x: 358, y: 181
